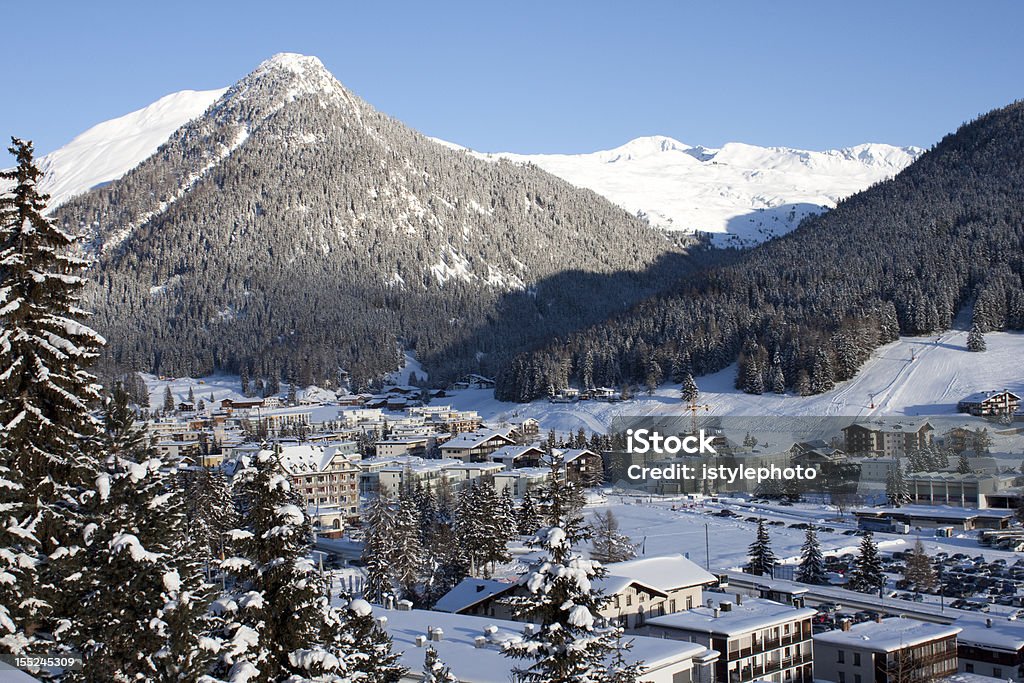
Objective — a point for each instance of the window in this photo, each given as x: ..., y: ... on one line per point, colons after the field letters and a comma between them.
x: 629, y: 599
x: 856, y: 659
x: 997, y: 672
x: 840, y: 656
x: 842, y: 677
x: 969, y: 667
x: 856, y: 678
x: 689, y: 602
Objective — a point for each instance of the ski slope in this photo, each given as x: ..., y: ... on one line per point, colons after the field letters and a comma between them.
x: 911, y: 376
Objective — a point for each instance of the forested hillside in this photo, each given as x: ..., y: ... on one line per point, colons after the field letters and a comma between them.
x: 292, y: 231
x: 804, y: 311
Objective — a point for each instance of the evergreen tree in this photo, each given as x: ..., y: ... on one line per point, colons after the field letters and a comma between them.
x: 570, y: 645
x: 822, y: 377
x: 209, y: 519
x: 168, y: 400
x: 407, y: 551
x: 434, y: 670
x: 896, y: 489
x: 812, y: 563
x: 762, y: 559
x: 144, y: 610
x: 47, y: 431
x: 976, y: 339
x: 607, y: 544
x: 369, y: 647
x: 292, y: 394
x: 378, y: 548
x: 963, y: 465
x: 689, y: 391
x: 277, y: 606
x: 527, y: 520
x: 867, y: 572
x: 919, y: 570
x: 191, y: 396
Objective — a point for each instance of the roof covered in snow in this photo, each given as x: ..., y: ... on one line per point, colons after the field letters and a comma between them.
x: 471, y: 664
x: 472, y: 439
x: 754, y: 614
x: 469, y: 592
x: 887, y: 635
x: 307, y: 458
x: 664, y: 573
x: 995, y: 632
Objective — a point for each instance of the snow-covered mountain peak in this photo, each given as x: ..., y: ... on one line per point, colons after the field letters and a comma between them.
x: 744, y: 193
x: 110, y: 149
x: 288, y: 75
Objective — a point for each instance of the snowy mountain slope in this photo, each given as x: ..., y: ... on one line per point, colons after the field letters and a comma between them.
x: 744, y: 193
x: 110, y: 149
x: 941, y: 373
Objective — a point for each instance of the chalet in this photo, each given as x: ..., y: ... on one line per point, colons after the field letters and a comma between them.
x: 637, y: 591
x: 759, y: 640
x: 476, y: 446
x: 472, y: 381
x: 990, y: 403
x: 583, y: 466
x: 886, y: 651
x: 605, y: 394
x: 518, y: 456
x: 240, y: 407
x: 567, y: 395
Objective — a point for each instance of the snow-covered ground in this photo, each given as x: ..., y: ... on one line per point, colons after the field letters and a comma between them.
x: 942, y: 372
x: 742, y: 193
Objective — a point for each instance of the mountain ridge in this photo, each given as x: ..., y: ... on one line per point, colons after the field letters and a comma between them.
x: 770, y: 191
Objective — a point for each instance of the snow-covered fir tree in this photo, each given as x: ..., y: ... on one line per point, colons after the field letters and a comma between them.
x: 867, y: 567
x: 144, y: 611
x: 572, y: 644
x: 367, y: 647
x: 897, y: 491
x: 47, y: 432
x: 689, y: 391
x: 976, y: 339
x: 481, y: 529
x: 434, y: 670
x: 168, y: 400
x: 761, y: 558
x: 812, y: 562
x: 380, y: 522
x: 963, y: 465
x: 406, y: 557
x: 527, y: 519
x: 209, y: 518
x: 276, y: 609
x: 607, y: 544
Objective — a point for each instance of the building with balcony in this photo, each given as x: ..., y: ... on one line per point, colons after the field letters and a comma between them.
x: 758, y: 640
x: 893, y: 650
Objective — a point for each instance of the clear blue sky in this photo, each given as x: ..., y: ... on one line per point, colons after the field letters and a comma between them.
x: 549, y: 76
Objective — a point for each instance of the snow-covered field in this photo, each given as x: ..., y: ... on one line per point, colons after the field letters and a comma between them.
x: 743, y: 193
x: 942, y: 372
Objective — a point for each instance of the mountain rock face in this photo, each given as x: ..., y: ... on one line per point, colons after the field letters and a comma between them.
x: 291, y: 231
x: 743, y: 194
x: 804, y: 311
